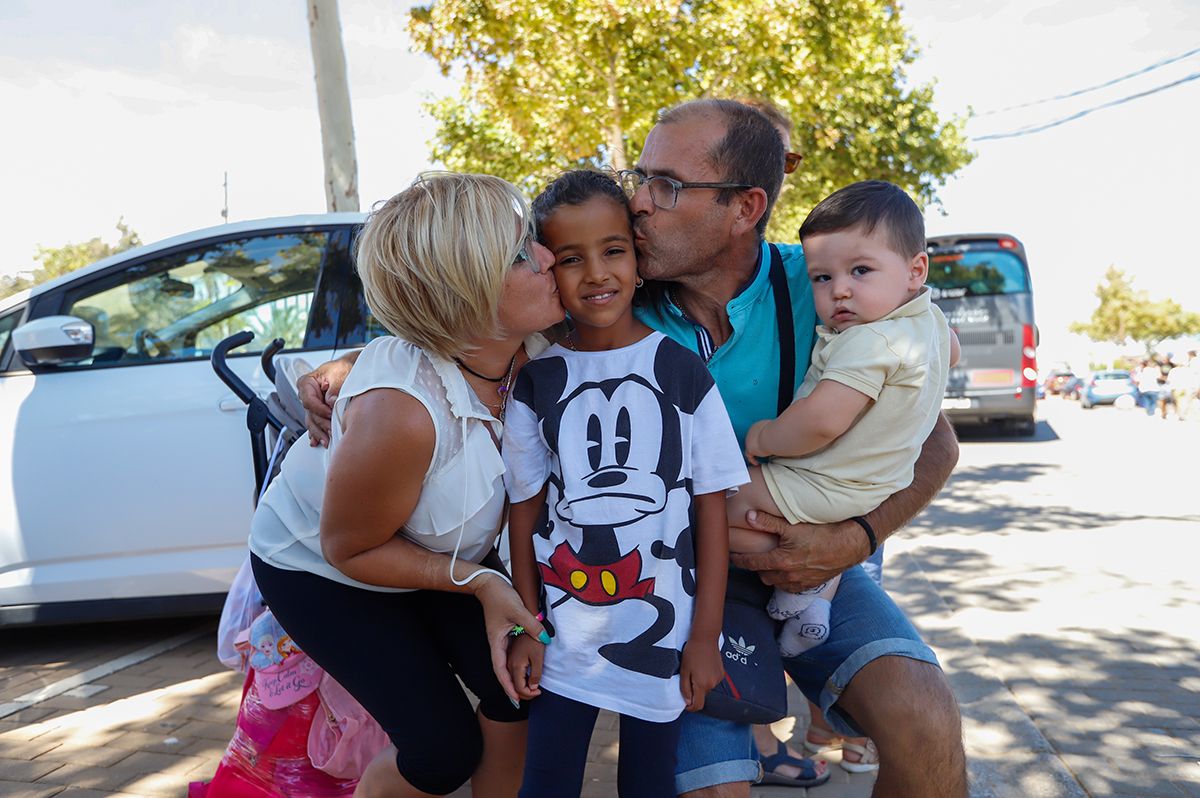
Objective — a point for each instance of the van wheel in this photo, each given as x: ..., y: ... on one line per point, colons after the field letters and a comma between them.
x: 1023, y: 427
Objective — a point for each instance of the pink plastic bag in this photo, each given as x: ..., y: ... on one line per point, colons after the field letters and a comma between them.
x: 268, y: 755
x: 345, y: 740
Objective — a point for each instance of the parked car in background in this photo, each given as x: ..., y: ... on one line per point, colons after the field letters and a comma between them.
x: 1106, y: 387
x: 127, y: 479
x: 1059, y: 382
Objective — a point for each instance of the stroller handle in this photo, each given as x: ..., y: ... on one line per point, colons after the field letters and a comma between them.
x: 220, y: 352
x: 268, y: 358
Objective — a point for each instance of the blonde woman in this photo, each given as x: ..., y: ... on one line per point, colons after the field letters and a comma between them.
x: 374, y: 554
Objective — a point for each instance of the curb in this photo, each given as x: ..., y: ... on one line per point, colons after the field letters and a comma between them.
x: 1007, y: 755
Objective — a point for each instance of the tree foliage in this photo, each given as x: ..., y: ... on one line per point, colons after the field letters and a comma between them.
x: 57, y: 261
x: 1126, y: 314
x: 555, y: 84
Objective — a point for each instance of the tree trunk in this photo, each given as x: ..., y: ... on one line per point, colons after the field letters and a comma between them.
x: 333, y: 105
x: 615, y: 130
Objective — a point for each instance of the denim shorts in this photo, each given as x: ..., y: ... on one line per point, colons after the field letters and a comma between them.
x: 864, y: 624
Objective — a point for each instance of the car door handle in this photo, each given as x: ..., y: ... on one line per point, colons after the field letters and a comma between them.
x: 230, y: 404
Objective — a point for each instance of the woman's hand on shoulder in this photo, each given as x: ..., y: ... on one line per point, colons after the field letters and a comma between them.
x: 700, y: 671
x: 318, y: 390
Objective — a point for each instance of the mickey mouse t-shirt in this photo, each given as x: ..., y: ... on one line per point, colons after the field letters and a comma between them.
x: 624, y: 438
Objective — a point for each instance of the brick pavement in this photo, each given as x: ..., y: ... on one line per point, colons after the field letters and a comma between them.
x: 148, y: 730
x: 159, y: 724
x: 154, y: 727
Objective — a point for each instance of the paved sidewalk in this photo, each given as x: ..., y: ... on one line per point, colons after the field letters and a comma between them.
x: 146, y: 730
x: 149, y: 729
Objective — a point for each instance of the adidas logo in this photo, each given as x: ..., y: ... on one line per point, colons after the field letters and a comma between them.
x: 741, y: 647
x: 742, y: 651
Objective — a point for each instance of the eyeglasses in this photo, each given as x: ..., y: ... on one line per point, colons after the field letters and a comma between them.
x: 664, y: 191
x: 791, y: 161
x: 526, y: 256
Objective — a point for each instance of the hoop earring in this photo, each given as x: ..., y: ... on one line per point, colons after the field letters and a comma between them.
x: 640, y: 282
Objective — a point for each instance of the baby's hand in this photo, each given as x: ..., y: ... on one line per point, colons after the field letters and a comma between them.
x: 756, y: 450
x: 525, y: 665
x: 700, y: 671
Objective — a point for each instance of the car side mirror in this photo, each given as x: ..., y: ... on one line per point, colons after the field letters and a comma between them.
x: 54, y: 340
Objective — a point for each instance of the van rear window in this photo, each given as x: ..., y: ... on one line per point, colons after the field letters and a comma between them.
x: 958, y: 274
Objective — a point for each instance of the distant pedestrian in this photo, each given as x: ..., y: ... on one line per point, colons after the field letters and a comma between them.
x: 1148, y: 379
x: 1165, y: 397
x: 1183, y: 381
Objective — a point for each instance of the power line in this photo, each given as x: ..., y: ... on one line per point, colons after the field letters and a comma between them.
x: 1025, y: 131
x: 1098, y: 86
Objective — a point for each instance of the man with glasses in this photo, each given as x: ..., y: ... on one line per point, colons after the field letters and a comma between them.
x: 701, y: 195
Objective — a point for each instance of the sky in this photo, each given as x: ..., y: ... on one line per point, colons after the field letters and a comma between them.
x: 137, y: 110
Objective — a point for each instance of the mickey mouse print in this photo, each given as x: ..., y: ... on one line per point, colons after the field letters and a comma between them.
x: 623, y: 439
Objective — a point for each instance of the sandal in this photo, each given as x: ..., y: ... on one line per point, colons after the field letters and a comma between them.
x: 867, y: 753
x: 868, y: 757
x: 812, y: 773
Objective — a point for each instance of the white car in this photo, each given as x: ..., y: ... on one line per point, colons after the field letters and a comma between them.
x: 127, y: 478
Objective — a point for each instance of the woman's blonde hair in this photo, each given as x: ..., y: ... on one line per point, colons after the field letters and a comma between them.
x: 433, y: 258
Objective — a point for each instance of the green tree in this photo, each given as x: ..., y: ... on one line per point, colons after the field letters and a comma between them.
x: 555, y: 84
x: 1126, y: 314
x: 57, y: 261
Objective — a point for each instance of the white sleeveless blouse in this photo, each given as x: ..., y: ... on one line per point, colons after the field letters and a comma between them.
x: 463, y: 488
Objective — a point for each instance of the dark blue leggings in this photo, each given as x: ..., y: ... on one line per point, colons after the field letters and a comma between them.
x: 559, y: 732
x: 402, y: 656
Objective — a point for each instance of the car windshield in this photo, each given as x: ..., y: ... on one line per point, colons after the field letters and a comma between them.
x: 958, y: 274
x: 1112, y: 375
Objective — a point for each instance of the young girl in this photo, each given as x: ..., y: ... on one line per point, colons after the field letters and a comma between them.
x: 618, y: 454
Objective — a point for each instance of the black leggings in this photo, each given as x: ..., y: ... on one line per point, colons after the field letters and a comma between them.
x: 559, y: 732
x: 399, y: 654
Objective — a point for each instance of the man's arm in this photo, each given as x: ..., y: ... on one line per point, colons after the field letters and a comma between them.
x: 809, y: 554
x: 317, y: 390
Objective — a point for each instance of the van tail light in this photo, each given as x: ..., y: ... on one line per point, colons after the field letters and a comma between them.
x: 1028, y: 357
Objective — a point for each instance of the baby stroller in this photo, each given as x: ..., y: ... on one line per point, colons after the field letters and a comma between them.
x: 298, y: 732
x: 281, y: 412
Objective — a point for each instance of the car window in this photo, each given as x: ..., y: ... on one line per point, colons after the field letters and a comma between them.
x: 8, y: 323
x: 178, y: 307
x: 357, y: 324
x: 284, y: 318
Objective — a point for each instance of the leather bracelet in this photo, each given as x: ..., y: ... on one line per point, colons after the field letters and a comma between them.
x: 870, y: 532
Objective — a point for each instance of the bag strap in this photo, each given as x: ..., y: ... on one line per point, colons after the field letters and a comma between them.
x: 787, y: 330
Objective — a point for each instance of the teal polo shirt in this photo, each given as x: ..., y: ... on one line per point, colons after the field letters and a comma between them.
x: 746, y: 367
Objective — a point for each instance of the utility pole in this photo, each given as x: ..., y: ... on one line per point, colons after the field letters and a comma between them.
x: 225, y: 207
x: 333, y: 106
